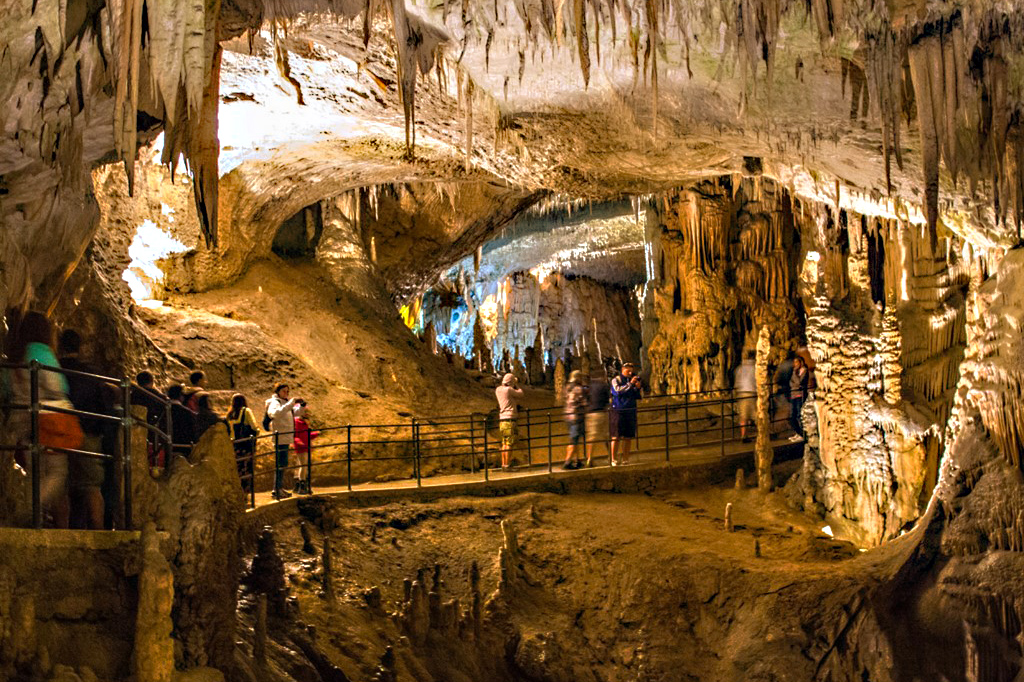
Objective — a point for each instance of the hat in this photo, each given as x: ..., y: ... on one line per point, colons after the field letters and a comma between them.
x: 507, y: 379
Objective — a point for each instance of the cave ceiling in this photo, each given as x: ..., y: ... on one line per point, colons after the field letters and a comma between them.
x: 906, y: 108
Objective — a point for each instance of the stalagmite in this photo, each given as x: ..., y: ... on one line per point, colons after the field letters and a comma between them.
x: 154, y: 647
x: 728, y: 518
x: 259, y: 633
x: 741, y: 479
x: 307, y: 540
x: 327, y: 580
x: 763, y: 449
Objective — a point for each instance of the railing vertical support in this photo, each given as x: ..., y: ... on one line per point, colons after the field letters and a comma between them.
x: 732, y: 413
x: 722, y: 425
x: 126, y: 449
x: 309, y: 461
x: 529, y: 440
x: 666, y: 433
x: 472, y: 443
x: 416, y: 451
x: 348, y: 455
x: 686, y: 415
x: 550, y: 467
x: 34, y: 449
x: 277, y: 468
x: 487, y: 463
x: 252, y: 472
x: 169, y: 451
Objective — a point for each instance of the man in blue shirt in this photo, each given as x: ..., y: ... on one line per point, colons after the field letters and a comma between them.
x: 626, y: 390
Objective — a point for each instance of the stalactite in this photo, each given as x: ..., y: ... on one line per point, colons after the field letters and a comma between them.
x: 582, y: 40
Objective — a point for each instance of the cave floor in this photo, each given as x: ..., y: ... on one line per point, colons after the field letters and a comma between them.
x: 609, y: 586
x: 652, y: 455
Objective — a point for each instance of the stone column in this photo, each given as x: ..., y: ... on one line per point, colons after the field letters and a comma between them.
x: 154, y: 648
x: 763, y: 449
x: 891, y: 349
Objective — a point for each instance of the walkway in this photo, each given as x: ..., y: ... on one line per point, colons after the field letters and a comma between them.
x: 694, y: 458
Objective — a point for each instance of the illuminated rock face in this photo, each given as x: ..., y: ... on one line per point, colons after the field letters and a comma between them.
x: 723, y: 259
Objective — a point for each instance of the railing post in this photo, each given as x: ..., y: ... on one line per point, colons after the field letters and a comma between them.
x: 416, y: 451
x: 722, y: 426
x: 732, y: 413
x: 666, y: 433
x: 169, y: 451
x: 472, y: 443
x: 529, y: 441
x: 348, y: 454
x: 686, y: 415
x: 252, y: 473
x: 487, y: 463
x: 278, y: 475
x: 126, y: 449
x: 309, y: 461
x: 550, y: 468
x: 34, y: 449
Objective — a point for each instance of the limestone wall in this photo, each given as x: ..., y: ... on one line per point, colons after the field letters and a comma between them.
x: 885, y: 326
x: 67, y: 598
x: 553, y: 314
x: 721, y: 265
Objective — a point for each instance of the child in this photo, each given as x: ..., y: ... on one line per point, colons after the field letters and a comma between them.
x: 303, y: 443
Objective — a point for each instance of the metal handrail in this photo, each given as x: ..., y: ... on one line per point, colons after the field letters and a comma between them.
x: 705, y: 421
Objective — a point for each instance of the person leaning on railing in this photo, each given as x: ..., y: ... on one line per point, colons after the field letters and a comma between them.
x: 183, y: 422
x: 34, y: 343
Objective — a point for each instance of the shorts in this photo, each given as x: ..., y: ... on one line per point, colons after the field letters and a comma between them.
x: 623, y: 423
x: 597, y: 427
x: 746, y: 407
x: 88, y: 472
x: 575, y: 431
x: 509, y: 432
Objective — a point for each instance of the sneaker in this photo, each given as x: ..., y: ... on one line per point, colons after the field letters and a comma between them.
x: 568, y: 466
x: 614, y: 463
x: 281, y: 494
x: 795, y: 438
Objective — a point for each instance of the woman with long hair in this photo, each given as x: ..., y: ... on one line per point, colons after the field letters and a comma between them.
x: 242, y: 425
x: 34, y: 341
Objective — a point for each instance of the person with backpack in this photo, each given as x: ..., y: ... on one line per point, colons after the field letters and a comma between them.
x: 280, y: 420
x: 304, y: 436
x: 197, y: 385
x: 626, y: 390
x: 242, y: 425
x: 576, y: 395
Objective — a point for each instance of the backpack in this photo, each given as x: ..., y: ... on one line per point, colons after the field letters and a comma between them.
x: 266, y: 421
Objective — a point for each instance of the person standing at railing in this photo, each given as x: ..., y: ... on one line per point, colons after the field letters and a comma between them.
x: 34, y: 342
x: 597, y: 415
x: 508, y: 394
x: 280, y: 421
x: 797, y: 393
x: 745, y: 384
x: 86, y: 474
x: 242, y: 425
x: 627, y: 389
x: 304, y: 436
x: 576, y: 395
x: 206, y: 417
x: 183, y: 422
x: 145, y: 393
x: 197, y: 385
